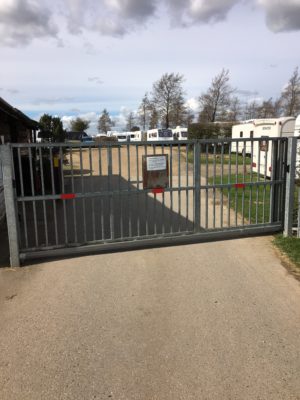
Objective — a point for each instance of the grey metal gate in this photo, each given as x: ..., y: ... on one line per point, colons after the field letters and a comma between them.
x: 72, y: 198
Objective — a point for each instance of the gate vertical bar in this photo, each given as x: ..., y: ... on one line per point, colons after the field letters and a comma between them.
x: 197, y: 187
x: 274, y: 192
x: 290, y: 186
x: 10, y: 205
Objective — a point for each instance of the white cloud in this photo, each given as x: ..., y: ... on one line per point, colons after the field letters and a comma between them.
x: 193, y: 104
x: 119, y: 120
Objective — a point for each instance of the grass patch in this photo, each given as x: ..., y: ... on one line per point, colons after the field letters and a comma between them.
x: 290, y: 246
x: 251, y: 203
x: 217, y: 158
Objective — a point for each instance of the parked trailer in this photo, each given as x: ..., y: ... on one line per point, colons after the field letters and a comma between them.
x: 135, y: 136
x: 245, y: 130
x: 256, y: 128
x: 262, y: 151
x: 297, y: 134
x: 180, y: 133
x: 159, y: 135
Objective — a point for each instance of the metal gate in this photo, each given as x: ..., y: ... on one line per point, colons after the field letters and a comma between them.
x: 64, y: 199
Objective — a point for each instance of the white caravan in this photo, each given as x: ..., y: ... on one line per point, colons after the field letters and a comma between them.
x: 126, y: 136
x: 180, y: 133
x: 245, y: 130
x: 159, y: 135
x: 262, y: 151
x: 135, y: 136
x: 297, y: 134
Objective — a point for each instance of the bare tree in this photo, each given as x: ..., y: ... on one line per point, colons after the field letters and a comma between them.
x: 290, y: 96
x: 216, y: 100
x: 267, y: 109
x: 178, y: 113
x: 104, y: 122
x: 130, y: 121
x: 153, y: 121
x: 251, y: 110
x: 144, y: 112
x: 167, y: 94
x: 235, y: 110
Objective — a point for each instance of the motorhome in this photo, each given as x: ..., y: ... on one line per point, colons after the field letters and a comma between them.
x: 261, y: 150
x: 180, y: 133
x: 159, y: 135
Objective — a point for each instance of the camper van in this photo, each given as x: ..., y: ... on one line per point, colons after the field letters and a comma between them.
x: 180, y: 133
x: 159, y: 135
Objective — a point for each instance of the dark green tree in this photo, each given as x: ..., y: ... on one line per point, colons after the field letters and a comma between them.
x: 79, y: 124
x: 52, y: 128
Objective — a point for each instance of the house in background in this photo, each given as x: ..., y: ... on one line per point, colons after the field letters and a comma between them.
x: 76, y: 136
x: 15, y: 127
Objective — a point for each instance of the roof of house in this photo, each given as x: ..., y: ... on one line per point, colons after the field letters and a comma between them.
x: 17, y: 114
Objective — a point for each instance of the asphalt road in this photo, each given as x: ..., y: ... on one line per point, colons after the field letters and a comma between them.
x: 206, y: 321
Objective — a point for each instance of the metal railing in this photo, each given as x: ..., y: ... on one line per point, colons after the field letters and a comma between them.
x: 70, y: 199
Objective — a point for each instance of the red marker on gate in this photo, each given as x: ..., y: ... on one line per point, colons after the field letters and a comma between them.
x: 158, y: 190
x: 67, y: 196
x: 239, y: 185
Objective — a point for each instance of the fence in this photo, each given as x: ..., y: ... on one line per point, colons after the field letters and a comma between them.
x: 70, y: 199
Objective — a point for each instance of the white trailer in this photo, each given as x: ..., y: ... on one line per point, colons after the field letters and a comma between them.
x: 180, y: 133
x: 245, y: 130
x: 256, y: 128
x: 159, y: 135
x: 297, y: 134
x: 268, y: 129
x: 135, y: 136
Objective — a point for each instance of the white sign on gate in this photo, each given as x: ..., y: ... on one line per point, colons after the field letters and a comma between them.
x: 156, y: 163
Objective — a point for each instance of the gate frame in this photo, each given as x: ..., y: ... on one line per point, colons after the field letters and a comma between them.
x: 132, y: 243
x: 290, y: 186
x: 10, y: 204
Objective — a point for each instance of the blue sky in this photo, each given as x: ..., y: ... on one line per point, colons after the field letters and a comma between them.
x: 74, y: 58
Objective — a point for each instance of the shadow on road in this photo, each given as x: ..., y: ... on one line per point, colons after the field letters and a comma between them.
x: 127, y: 213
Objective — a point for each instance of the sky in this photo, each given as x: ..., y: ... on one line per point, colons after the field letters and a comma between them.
x: 76, y: 57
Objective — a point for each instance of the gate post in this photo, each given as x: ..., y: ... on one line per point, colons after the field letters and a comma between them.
x: 10, y: 205
x: 290, y: 186
x: 197, y: 187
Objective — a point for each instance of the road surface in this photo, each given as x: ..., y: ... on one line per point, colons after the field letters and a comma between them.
x: 205, y: 321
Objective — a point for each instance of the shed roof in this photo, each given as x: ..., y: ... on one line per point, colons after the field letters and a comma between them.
x: 17, y: 114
